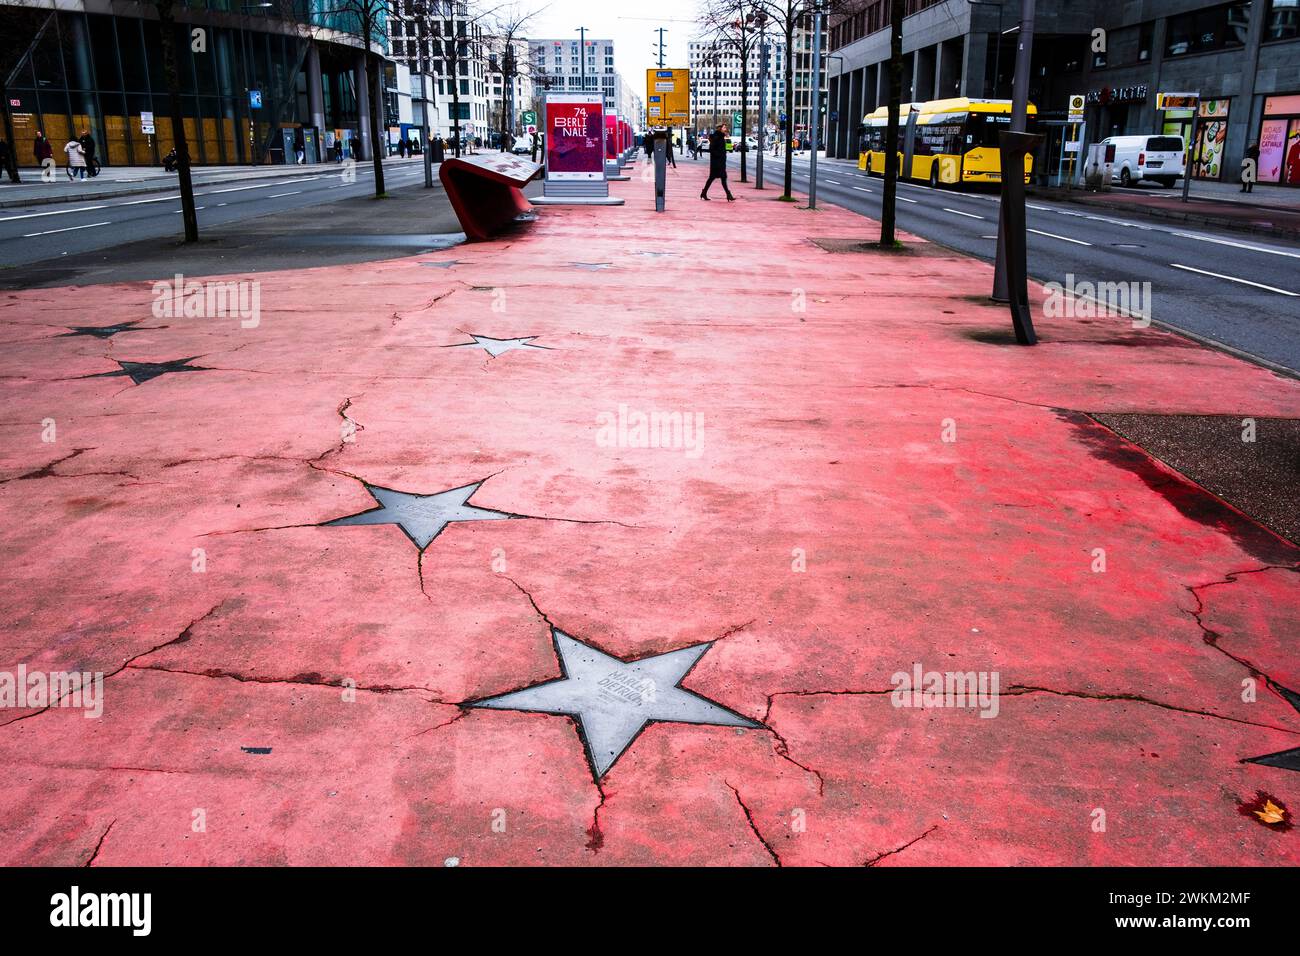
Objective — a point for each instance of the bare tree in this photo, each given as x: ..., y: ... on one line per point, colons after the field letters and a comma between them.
x: 368, y: 25
x: 734, y: 24
x: 889, y: 201
x: 505, y: 29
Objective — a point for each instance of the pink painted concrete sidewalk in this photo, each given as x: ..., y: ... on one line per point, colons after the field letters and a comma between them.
x: 825, y: 537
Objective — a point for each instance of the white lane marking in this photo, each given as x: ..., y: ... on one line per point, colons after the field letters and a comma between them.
x: 958, y: 212
x: 278, y: 195
x: 862, y: 189
x: 50, y: 232
x: 905, y: 199
x: 1217, y: 275
x: 141, y: 202
x: 1030, y: 205
x: 1052, y: 235
x: 53, y: 212
x: 237, y: 189
x: 1237, y: 245
x: 833, y: 182
x: 196, y: 209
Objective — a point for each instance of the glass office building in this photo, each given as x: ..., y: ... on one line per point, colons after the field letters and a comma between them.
x: 259, y: 81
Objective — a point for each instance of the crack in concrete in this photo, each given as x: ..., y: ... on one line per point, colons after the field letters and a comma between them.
x: 464, y: 712
x: 303, y: 680
x: 180, y: 638
x: 749, y: 818
x: 100, y: 845
x: 596, y: 836
x: 875, y: 860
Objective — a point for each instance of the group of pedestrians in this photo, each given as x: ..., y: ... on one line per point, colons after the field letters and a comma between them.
x: 80, y: 154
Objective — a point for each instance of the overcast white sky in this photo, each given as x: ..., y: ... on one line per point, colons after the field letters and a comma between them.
x: 630, y: 25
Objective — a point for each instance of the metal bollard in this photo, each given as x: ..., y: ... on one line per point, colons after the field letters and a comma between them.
x: 661, y: 169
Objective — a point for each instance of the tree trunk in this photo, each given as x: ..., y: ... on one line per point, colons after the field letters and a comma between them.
x: 167, y: 32
x: 889, y: 201
x: 376, y: 104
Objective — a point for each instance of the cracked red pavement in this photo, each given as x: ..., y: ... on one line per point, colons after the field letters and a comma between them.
x: 347, y: 655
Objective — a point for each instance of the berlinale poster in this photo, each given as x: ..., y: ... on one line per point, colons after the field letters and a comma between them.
x: 575, y: 137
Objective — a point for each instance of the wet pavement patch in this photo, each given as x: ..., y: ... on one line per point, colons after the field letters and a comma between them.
x: 1250, y: 462
x: 495, y: 347
x: 591, y: 266
x: 612, y: 700
x: 421, y: 517
x: 141, y: 372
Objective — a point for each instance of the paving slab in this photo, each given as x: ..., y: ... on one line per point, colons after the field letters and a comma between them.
x: 853, y: 475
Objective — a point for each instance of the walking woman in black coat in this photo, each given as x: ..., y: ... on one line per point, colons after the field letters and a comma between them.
x: 718, y: 162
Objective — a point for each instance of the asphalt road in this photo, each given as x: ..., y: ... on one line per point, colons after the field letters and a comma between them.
x: 38, y: 233
x: 1231, y: 288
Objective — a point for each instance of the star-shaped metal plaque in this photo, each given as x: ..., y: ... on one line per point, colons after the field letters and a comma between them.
x: 102, y: 331
x: 1283, y: 759
x: 141, y: 372
x: 495, y: 347
x: 613, y: 700
x: 422, y: 517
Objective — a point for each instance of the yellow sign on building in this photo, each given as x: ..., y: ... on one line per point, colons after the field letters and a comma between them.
x: 668, y: 97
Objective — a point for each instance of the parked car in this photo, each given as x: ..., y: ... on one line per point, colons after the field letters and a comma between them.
x: 1157, y: 158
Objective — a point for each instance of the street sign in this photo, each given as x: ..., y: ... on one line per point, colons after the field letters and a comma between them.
x: 668, y: 97
x: 255, y: 99
x: 146, y: 123
x: 1077, y: 103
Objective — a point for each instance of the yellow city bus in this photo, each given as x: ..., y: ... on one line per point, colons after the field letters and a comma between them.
x: 955, y: 141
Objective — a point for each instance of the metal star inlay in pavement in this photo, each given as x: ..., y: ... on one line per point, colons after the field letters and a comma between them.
x: 495, y: 347
x: 613, y: 700
x: 1283, y: 759
x: 141, y: 372
x: 422, y: 517
x: 102, y: 331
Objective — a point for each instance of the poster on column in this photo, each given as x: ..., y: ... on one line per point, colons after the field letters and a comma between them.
x: 575, y: 137
x: 611, y: 136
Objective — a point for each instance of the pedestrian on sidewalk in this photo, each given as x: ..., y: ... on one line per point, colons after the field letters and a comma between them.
x: 718, y: 162
x: 437, y: 152
x: 42, y: 148
x: 1251, y: 162
x: 88, y: 147
x: 76, y: 160
x: 668, y: 151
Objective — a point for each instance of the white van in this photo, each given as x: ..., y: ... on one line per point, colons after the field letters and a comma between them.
x: 1158, y: 158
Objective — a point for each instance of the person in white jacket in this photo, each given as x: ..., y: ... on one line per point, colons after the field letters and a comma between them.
x: 76, y: 159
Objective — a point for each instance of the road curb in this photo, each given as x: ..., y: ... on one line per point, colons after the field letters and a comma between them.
x: 1280, y: 232
x: 169, y: 184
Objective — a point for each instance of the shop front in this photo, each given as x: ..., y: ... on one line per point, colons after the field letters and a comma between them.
x: 1279, y: 141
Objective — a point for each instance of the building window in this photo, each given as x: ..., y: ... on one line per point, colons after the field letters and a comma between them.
x: 1215, y: 28
x: 1283, y: 20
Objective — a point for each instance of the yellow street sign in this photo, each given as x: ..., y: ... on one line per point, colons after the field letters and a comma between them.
x: 668, y: 97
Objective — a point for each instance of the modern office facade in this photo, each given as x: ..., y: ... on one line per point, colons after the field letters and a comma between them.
x: 716, y: 83
x: 258, y: 81
x: 1242, y: 57
x: 420, y: 32
x: 557, y: 65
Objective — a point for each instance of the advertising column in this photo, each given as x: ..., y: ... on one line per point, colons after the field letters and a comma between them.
x: 575, y: 150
